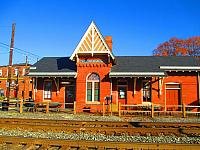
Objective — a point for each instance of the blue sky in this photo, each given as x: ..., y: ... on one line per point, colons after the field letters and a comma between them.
x: 54, y: 27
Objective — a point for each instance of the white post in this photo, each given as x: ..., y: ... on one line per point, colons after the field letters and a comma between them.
x: 135, y: 80
x: 198, y: 86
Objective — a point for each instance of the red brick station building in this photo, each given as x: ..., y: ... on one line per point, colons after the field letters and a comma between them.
x: 93, y: 72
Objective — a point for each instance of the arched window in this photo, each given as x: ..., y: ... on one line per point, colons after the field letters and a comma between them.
x: 93, y: 87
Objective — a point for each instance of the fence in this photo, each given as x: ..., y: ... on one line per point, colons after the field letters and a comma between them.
x: 31, y: 106
x: 157, y: 109
x: 100, y: 108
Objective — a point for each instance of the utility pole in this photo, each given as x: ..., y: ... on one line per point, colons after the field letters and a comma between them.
x: 10, y: 63
x: 25, y: 77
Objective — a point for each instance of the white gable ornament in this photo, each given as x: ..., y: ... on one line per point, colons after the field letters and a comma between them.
x: 92, y: 42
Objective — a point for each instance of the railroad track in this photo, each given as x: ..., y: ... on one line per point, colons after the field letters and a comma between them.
x: 108, y: 128
x: 14, y: 143
x: 76, y: 123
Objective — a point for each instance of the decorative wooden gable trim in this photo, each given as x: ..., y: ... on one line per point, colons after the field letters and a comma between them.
x: 92, y: 42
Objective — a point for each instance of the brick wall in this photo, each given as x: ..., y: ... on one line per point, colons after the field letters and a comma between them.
x: 84, y: 69
x: 187, y: 80
x: 57, y: 96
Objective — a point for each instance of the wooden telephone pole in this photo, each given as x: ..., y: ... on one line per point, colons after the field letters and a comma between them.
x: 10, y: 63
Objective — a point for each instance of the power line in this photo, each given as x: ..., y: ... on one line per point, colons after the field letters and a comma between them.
x: 3, y: 48
x: 25, y: 54
x: 18, y: 49
x: 5, y: 26
x: 4, y: 53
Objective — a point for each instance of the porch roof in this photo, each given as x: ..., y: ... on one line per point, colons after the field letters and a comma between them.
x: 130, y: 66
x: 54, y: 66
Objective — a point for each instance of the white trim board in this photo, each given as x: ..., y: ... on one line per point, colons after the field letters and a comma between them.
x: 137, y: 74
x: 180, y: 67
x: 52, y: 74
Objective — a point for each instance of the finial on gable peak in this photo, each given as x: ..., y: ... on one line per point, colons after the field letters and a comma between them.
x: 93, y: 23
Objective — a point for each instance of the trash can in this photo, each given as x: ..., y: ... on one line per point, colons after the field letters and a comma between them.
x: 5, y: 106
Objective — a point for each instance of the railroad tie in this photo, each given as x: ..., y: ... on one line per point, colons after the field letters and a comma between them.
x: 29, y: 147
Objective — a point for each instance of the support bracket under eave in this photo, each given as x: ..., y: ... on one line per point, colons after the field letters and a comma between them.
x: 57, y: 84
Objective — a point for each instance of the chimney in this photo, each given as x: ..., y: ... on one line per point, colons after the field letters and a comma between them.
x: 108, y: 40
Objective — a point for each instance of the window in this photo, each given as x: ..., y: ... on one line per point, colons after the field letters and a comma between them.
x: 89, y: 91
x: 93, y: 88
x: 16, y: 71
x: 172, y: 86
x: 47, y: 89
x: 1, y: 73
x: 122, y: 85
x: 96, y: 91
x: 122, y: 92
x: 146, y: 90
x: 1, y: 92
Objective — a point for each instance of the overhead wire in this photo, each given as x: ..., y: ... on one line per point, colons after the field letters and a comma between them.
x: 4, y: 52
x: 31, y: 57
x: 19, y: 49
x: 5, y: 26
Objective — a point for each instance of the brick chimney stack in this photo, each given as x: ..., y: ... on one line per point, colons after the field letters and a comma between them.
x: 108, y: 40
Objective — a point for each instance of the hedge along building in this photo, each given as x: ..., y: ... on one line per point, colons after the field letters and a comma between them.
x: 93, y: 72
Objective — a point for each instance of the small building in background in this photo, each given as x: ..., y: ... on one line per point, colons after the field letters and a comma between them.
x: 21, y: 84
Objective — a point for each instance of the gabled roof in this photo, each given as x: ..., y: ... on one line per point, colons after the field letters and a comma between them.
x: 92, y: 42
x: 53, y: 66
x: 129, y: 66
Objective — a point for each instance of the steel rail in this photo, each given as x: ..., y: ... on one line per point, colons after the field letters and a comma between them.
x: 66, y: 122
x: 103, y: 130
x: 30, y: 143
x: 98, y: 123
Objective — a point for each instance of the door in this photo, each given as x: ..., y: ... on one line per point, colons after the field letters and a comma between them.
x: 173, y: 96
x: 69, y: 96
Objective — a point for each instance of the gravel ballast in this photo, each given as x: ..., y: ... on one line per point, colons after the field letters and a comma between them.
x: 101, y: 137
x: 98, y: 137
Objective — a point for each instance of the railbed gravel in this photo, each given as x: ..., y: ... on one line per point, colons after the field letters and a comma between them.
x: 98, y: 137
x: 101, y: 137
